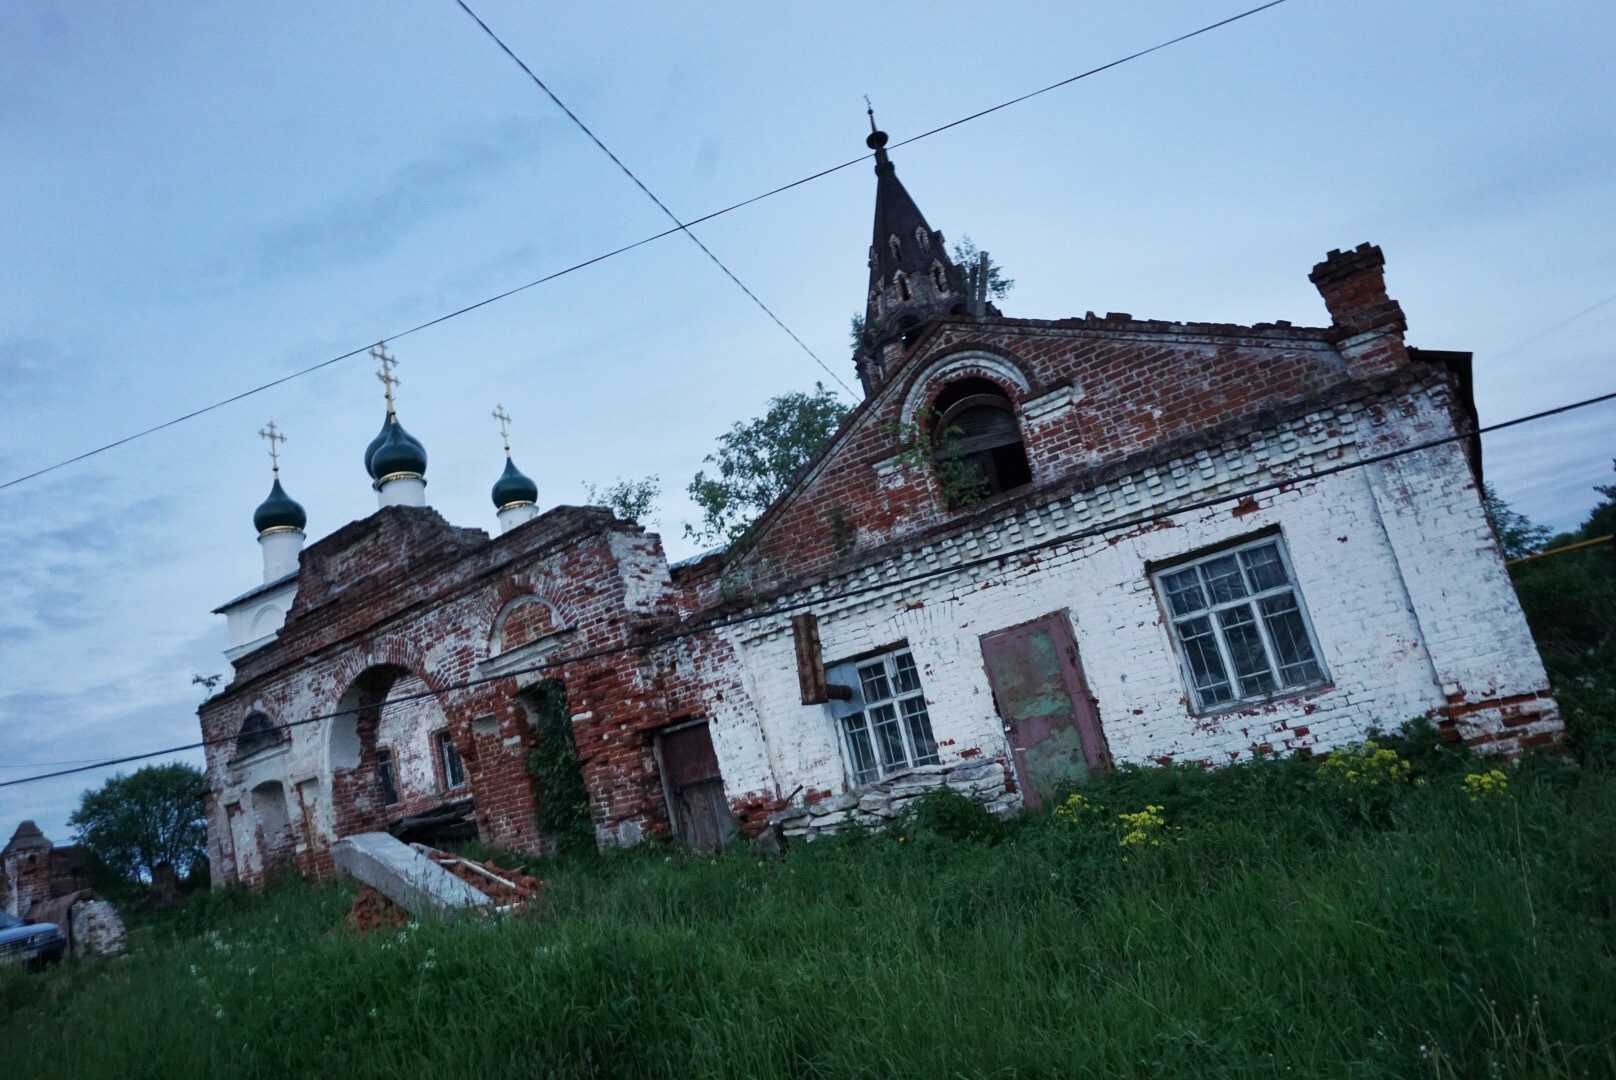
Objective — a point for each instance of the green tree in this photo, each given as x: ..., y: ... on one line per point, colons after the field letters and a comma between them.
x: 966, y: 255
x: 1516, y: 533
x: 152, y: 816
x: 759, y: 459
x: 1570, y: 603
x: 633, y: 499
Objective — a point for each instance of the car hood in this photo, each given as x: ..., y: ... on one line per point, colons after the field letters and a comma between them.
x: 14, y: 934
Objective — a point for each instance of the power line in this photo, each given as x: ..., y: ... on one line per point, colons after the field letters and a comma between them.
x: 775, y: 610
x: 154, y: 429
x: 583, y: 127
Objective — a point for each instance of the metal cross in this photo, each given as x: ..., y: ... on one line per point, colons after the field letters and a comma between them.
x: 504, y: 419
x: 388, y: 379
x: 274, y: 436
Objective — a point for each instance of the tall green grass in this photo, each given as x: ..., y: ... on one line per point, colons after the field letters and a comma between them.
x: 1279, y: 932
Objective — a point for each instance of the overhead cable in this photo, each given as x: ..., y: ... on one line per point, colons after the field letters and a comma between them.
x: 683, y: 227
x: 583, y: 127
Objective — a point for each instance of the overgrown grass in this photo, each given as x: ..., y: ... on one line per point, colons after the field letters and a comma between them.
x: 1278, y: 931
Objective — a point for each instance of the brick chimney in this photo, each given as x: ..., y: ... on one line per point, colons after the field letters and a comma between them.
x: 1370, y: 324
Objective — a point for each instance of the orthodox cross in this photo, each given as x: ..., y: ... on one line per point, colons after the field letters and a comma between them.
x: 269, y: 432
x: 504, y: 419
x: 388, y: 379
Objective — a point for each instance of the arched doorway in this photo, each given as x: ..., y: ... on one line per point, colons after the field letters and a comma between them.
x: 390, y: 755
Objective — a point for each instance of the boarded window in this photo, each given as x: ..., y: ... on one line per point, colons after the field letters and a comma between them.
x: 977, y: 441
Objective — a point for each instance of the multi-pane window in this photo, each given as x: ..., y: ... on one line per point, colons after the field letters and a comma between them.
x: 388, y: 778
x: 885, y: 726
x: 1241, y: 629
x: 454, y: 770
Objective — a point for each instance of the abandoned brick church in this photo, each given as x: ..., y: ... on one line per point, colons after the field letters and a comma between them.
x: 1036, y: 548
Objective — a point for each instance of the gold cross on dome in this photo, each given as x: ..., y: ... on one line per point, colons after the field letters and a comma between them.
x: 269, y: 432
x: 385, y: 375
x: 504, y: 419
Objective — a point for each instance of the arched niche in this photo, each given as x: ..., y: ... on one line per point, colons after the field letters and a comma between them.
x: 274, y: 824
x: 266, y: 620
x: 522, y: 621
x: 258, y: 733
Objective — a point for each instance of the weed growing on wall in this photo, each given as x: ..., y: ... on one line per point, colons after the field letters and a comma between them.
x: 563, y: 800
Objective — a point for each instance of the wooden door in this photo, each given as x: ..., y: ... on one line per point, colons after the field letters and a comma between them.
x: 695, y: 789
x: 1040, y: 693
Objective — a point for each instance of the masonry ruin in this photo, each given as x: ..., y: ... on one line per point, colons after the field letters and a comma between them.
x: 1037, y: 548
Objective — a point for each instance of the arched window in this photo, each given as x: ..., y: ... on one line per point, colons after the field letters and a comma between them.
x: 258, y: 732
x: 977, y: 442
x: 922, y: 237
x: 938, y: 277
x: 901, y: 280
x: 894, y: 247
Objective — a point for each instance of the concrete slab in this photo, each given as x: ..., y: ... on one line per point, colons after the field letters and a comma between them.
x: 406, y: 876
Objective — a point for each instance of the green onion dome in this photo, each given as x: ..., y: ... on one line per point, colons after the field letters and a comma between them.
x: 513, y: 487
x: 394, y: 451
x: 279, y: 511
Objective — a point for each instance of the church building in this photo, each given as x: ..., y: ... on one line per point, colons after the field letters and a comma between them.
x: 1036, y: 549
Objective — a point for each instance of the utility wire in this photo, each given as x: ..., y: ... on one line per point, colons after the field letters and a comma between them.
x: 887, y: 584
x: 583, y: 127
x: 684, y: 227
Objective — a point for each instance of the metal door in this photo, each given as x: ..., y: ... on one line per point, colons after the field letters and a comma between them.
x: 695, y: 789
x: 1040, y: 693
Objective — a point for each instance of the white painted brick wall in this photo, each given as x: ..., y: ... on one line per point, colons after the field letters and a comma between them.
x: 1396, y: 567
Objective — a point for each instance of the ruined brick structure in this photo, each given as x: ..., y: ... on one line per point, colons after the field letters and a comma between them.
x: 1036, y: 548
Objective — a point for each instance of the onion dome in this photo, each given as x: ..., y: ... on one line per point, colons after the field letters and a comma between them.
x: 394, y: 451
x: 279, y: 511
x: 513, y: 488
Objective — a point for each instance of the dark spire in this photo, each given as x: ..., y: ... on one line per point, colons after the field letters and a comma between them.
x: 912, y: 279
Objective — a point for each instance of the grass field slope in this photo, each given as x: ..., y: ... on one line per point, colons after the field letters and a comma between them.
x: 1396, y: 911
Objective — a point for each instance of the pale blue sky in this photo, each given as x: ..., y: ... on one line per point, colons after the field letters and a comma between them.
x: 200, y: 197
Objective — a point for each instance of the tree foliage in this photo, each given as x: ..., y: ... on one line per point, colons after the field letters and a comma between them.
x: 632, y: 499
x: 135, y: 823
x: 1570, y: 604
x: 966, y: 256
x: 759, y: 459
x: 1516, y: 533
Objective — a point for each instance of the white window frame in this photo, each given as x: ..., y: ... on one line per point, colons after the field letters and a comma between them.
x: 1174, y: 596
x: 884, y: 729
x: 445, y: 746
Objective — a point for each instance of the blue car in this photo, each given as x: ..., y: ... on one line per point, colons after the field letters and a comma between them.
x: 34, y: 944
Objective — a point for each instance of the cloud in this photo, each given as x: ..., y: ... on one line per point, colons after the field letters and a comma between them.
x: 26, y: 359
x: 61, y: 553
x: 370, y: 224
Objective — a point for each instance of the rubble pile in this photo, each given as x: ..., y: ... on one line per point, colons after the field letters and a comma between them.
x: 496, y: 889
x: 373, y: 911
x: 503, y: 887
